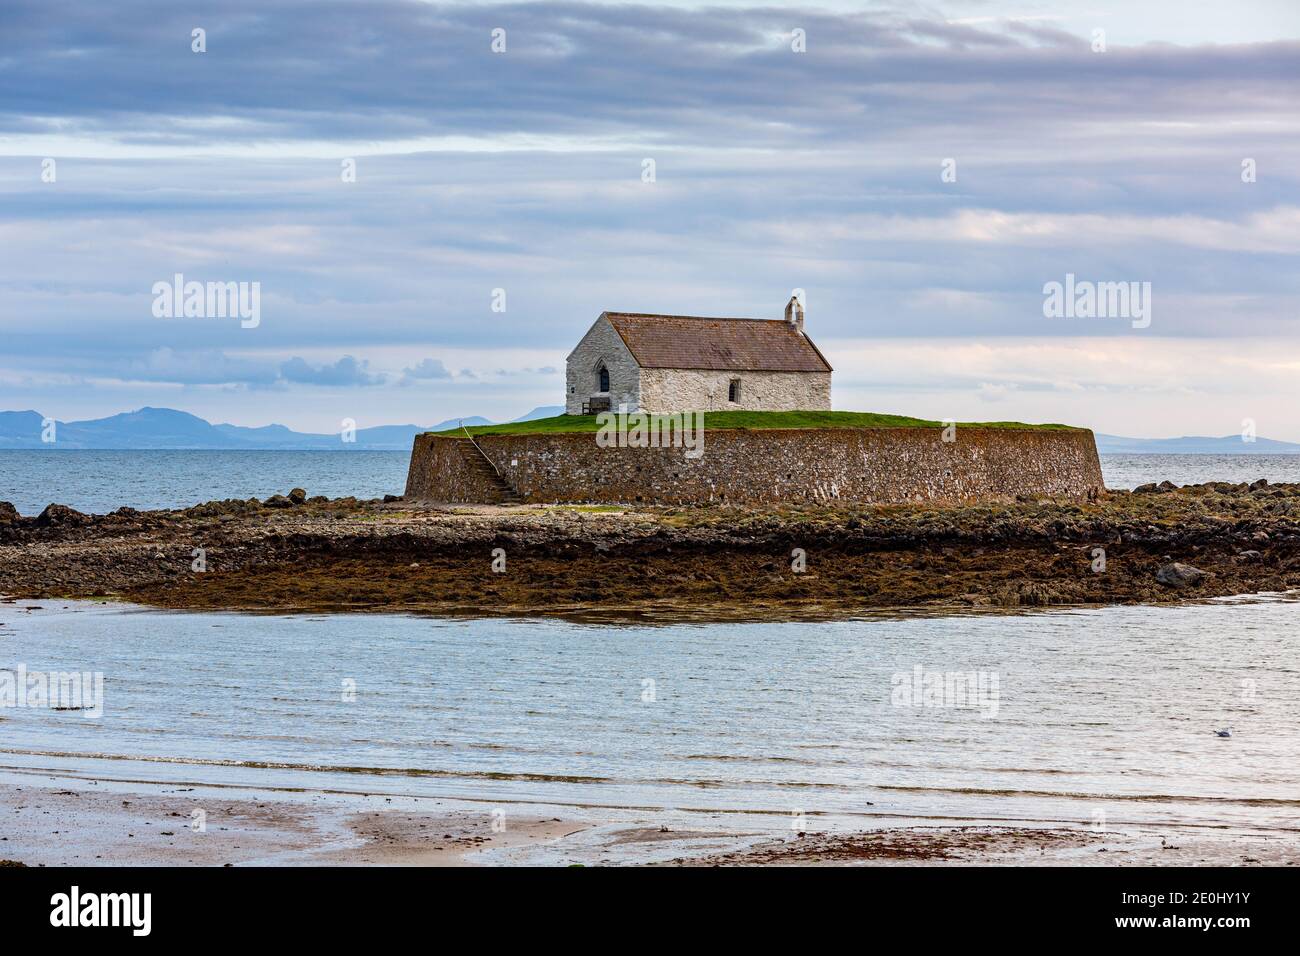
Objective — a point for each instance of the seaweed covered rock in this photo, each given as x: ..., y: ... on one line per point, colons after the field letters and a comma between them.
x: 58, y: 516
x: 1176, y: 575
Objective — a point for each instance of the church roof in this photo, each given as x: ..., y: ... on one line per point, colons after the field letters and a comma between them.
x: 741, y: 345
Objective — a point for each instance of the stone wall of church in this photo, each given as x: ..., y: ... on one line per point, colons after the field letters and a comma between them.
x: 665, y: 390
x: 582, y: 377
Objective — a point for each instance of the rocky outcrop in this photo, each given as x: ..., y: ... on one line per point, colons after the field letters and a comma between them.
x: 714, y: 561
x: 61, y: 515
x: 1178, y: 575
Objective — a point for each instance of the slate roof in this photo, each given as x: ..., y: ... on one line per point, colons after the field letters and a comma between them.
x: 741, y: 345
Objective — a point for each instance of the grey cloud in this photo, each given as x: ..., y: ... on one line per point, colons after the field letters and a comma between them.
x: 206, y: 367
x: 428, y: 368
x: 200, y: 367
x: 366, y: 70
x: 346, y: 371
x: 527, y: 370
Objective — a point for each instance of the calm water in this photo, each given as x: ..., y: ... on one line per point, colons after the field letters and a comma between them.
x: 1109, y: 710
x: 1129, y: 471
x: 99, y: 481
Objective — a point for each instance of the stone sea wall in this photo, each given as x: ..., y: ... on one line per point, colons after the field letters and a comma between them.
x: 769, y: 466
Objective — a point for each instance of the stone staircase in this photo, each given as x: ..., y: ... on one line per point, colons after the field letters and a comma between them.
x: 477, y: 462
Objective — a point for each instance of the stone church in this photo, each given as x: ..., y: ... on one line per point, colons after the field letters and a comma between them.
x: 679, y: 363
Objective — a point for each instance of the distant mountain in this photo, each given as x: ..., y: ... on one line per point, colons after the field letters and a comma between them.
x: 280, y: 438
x: 145, y: 428
x: 169, y: 428
x: 457, y: 422
x: 541, y: 411
x: 15, y: 424
x: 265, y: 435
x: 1192, y: 445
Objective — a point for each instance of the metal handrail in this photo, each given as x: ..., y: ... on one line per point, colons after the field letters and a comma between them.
x: 461, y: 423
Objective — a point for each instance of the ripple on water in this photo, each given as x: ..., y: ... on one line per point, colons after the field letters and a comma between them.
x: 1117, y: 706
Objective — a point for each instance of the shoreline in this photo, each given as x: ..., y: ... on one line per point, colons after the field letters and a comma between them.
x: 49, y: 818
x: 106, y: 822
x: 294, y: 554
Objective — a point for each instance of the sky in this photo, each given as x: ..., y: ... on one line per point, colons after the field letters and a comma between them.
x: 921, y: 171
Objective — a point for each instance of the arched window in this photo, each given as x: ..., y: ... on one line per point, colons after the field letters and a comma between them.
x: 604, y: 379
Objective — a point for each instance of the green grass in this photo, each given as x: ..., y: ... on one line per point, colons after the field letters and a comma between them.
x: 720, y: 420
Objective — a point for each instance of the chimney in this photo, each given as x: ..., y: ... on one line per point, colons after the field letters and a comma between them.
x: 794, y: 312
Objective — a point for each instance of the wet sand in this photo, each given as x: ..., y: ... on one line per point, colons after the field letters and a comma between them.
x: 1019, y: 846
x: 51, y: 819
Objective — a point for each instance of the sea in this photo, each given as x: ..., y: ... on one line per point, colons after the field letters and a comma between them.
x: 1064, y: 718
x: 1059, y: 717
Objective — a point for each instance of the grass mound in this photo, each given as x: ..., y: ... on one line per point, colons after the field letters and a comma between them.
x: 721, y: 420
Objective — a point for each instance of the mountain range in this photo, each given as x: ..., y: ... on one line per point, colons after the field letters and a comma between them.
x: 1194, y: 445
x: 170, y: 428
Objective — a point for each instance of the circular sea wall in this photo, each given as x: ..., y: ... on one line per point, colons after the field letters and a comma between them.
x: 762, y: 466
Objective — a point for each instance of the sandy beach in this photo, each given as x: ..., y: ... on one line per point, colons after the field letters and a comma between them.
x: 49, y: 819
x: 62, y: 820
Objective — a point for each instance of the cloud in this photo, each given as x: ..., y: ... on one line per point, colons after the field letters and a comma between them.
x: 429, y: 368
x: 1275, y: 230
x: 527, y: 370
x: 993, y: 391
x: 347, y: 371
x: 522, y: 171
x: 409, y: 74
x: 200, y: 367
x: 213, y: 367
